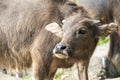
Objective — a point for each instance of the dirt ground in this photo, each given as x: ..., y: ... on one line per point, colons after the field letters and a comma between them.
x: 7, y: 77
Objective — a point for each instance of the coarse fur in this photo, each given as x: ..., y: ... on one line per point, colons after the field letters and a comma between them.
x: 24, y: 42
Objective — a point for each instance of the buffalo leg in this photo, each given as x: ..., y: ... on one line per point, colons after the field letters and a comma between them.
x: 37, y: 66
x: 82, y: 71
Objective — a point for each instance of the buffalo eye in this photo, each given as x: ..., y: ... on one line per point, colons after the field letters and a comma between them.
x: 82, y: 31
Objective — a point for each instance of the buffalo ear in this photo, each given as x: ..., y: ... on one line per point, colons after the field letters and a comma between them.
x: 106, y: 29
x: 55, y: 29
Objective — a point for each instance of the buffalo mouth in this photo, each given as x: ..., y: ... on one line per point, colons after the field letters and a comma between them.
x: 62, y: 54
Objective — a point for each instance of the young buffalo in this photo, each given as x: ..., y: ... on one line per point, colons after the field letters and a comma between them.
x: 80, y: 35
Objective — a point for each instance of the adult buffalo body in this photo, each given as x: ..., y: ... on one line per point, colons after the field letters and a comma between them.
x: 107, y: 11
x: 24, y: 42
x: 80, y: 34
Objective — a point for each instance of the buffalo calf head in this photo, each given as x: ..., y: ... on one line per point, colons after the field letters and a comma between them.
x: 79, y: 36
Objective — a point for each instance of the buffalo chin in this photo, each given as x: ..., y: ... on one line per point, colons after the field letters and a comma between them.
x: 63, y: 55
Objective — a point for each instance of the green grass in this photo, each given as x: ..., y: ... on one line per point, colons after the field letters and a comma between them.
x: 103, y: 41
x: 28, y: 77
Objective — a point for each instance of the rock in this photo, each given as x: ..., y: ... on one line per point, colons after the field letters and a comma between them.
x: 100, y: 68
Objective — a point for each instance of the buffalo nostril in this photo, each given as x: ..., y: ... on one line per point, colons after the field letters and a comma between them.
x: 63, y: 47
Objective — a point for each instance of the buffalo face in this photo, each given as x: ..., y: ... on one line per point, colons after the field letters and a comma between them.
x: 79, y: 36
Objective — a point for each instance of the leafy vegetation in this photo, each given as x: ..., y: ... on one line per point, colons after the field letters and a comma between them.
x: 28, y: 77
x: 103, y: 41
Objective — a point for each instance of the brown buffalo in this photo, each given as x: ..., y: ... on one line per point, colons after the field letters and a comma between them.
x: 24, y: 42
x: 107, y: 11
x: 80, y: 34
